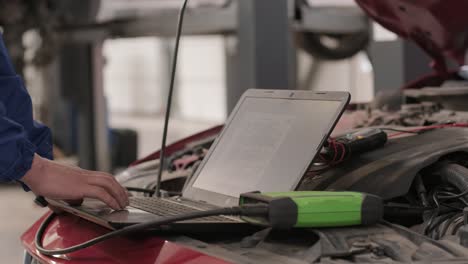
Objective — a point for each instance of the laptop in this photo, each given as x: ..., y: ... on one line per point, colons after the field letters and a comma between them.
x: 267, y: 145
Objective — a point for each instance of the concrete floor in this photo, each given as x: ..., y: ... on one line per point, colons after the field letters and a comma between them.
x: 18, y: 211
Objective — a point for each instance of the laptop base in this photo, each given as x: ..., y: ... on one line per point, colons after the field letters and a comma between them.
x: 97, y: 212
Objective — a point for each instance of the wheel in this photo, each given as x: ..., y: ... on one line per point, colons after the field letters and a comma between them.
x: 333, y: 46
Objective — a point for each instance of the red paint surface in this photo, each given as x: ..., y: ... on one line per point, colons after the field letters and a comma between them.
x: 440, y: 27
x: 68, y: 230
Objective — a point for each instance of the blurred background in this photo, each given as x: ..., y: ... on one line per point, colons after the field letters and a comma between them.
x: 98, y: 71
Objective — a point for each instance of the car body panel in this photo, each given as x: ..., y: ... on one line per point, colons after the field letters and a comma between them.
x: 439, y: 27
x: 68, y: 230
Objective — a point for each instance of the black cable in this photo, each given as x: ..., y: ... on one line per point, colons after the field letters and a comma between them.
x: 447, y: 219
x: 431, y: 224
x: 451, y: 207
x: 438, y: 220
x: 464, y: 201
x: 454, y: 196
x: 434, y: 214
x: 169, y: 98
x: 449, y: 222
x: 245, y: 210
x: 457, y: 226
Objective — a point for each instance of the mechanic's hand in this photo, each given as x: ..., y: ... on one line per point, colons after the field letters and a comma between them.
x: 57, y: 181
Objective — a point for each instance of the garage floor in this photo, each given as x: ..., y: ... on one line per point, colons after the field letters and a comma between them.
x: 18, y: 211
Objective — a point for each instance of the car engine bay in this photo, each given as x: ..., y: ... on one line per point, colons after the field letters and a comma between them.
x: 421, y: 173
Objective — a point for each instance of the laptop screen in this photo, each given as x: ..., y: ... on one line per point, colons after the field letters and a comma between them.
x: 267, y: 145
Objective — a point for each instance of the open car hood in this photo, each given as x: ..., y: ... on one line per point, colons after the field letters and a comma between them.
x: 439, y: 27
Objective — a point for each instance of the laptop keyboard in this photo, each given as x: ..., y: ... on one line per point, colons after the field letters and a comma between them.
x: 162, y: 207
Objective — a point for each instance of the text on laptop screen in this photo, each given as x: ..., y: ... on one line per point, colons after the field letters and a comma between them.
x: 266, y: 145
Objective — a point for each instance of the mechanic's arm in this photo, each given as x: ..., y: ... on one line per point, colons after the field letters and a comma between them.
x: 19, y: 162
x: 57, y: 181
x: 22, y: 141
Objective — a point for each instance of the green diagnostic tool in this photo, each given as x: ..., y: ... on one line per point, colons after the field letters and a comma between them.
x: 314, y: 209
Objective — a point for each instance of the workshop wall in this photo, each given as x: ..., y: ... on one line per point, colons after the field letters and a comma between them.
x: 354, y: 75
x: 137, y: 71
x: 133, y: 79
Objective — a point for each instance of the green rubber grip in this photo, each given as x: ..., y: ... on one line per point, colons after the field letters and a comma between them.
x: 316, y: 209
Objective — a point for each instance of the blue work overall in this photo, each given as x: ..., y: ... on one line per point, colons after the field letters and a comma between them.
x: 20, y: 136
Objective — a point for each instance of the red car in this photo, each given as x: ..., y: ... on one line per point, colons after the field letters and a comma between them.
x: 422, y: 178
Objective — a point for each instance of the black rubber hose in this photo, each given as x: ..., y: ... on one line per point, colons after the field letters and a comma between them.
x: 455, y: 175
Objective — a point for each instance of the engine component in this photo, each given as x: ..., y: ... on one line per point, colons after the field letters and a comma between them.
x: 452, y: 95
x: 463, y: 235
x: 382, y: 243
x: 463, y: 232
x: 389, y: 172
x: 455, y: 175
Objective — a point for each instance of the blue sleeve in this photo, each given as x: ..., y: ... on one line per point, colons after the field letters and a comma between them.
x: 20, y: 136
x: 16, y: 151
